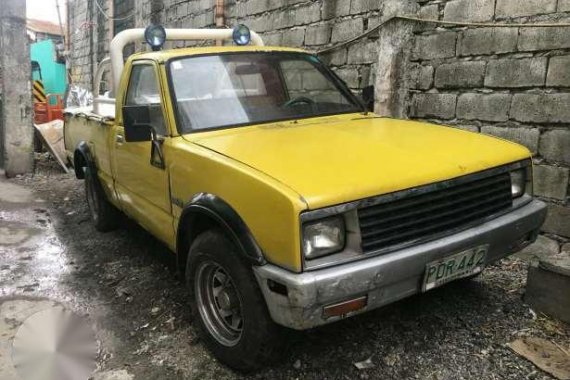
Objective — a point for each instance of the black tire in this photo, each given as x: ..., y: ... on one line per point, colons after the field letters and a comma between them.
x: 260, y: 339
x: 103, y: 214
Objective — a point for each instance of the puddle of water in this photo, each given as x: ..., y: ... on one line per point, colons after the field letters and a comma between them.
x: 12, y: 236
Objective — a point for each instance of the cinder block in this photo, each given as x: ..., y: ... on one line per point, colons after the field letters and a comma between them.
x: 306, y: 14
x: 429, y: 12
x: 337, y: 8
x: 558, y: 72
x: 486, y: 107
x: 425, y: 77
x: 253, y: 7
x: 548, y: 287
x: 555, y: 146
x: 524, y: 136
x: 543, y: 247
x: 563, y: 5
x: 361, y: 6
x: 318, y: 34
x: 344, y: 30
x: 293, y: 37
x: 558, y: 220
x: 510, y: 8
x: 551, y: 181
x: 486, y: 41
x: 363, y: 52
x: 460, y: 74
x: 531, y: 39
x: 438, y: 45
x: 426, y: 12
x: 337, y: 57
x: 469, y: 10
x: 511, y: 73
x: 541, y: 108
x: 441, y: 106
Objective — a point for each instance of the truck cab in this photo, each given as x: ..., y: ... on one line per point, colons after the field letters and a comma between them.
x: 287, y: 203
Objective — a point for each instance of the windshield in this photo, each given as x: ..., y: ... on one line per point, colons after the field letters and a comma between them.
x: 242, y: 88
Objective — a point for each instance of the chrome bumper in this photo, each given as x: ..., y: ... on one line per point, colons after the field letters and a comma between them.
x: 299, y: 299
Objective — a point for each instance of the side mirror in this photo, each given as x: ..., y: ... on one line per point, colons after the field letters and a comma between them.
x: 137, y: 123
x: 368, y: 97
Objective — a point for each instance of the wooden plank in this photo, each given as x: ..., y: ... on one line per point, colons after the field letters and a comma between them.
x: 545, y: 355
x: 51, y: 135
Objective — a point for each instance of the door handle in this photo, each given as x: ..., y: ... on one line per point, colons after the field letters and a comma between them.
x: 119, y: 139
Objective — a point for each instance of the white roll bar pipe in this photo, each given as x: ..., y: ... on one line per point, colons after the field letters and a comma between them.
x: 98, y: 100
x: 137, y: 35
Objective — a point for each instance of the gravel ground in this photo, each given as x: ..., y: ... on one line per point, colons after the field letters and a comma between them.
x: 125, y: 282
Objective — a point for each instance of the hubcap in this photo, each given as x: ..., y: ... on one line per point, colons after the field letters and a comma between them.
x: 219, y: 303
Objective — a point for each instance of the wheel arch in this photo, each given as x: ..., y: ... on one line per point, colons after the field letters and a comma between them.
x: 82, y: 157
x: 207, y: 211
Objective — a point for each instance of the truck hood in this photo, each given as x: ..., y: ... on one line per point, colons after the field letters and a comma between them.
x: 339, y: 159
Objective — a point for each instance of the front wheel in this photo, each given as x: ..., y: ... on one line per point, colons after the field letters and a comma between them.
x: 227, y: 305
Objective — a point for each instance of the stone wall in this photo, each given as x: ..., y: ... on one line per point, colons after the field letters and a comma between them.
x: 508, y: 82
x: 312, y: 24
x: 83, y: 33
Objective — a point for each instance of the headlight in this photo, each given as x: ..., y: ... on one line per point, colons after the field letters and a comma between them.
x: 518, y: 182
x: 323, y: 237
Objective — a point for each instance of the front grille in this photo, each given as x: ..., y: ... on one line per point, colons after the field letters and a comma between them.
x: 449, y: 206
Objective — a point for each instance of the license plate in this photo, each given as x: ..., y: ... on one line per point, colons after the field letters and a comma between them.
x: 463, y: 264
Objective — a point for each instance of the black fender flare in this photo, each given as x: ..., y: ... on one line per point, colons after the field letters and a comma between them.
x: 83, y: 152
x: 225, y: 217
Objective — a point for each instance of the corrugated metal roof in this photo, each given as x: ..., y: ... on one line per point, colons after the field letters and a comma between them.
x: 40, y: 26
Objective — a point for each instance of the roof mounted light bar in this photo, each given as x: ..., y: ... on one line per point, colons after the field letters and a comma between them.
x: 126, y: 37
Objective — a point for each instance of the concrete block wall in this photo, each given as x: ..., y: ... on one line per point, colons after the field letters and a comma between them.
x: 508, y: 82
x: 84, y: 23
x: 311, y: 24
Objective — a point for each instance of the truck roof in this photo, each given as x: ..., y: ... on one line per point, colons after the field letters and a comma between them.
x: 165, y: 55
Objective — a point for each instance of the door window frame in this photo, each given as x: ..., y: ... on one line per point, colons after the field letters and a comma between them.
x: 161, y: 92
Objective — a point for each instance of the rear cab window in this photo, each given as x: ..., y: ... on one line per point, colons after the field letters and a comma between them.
x: 143, y: 90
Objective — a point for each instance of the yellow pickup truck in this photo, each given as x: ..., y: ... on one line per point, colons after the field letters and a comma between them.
x: 285, y: 200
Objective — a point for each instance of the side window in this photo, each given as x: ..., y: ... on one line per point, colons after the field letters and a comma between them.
x: 143, y: 91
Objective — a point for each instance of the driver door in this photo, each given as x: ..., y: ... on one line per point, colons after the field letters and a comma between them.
x: 142, y: 186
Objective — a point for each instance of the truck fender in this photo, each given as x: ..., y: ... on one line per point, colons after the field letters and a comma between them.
x: 205, y: 211
x: 82, y: 157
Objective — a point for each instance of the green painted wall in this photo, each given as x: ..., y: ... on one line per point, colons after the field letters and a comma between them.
x: 53, y: 73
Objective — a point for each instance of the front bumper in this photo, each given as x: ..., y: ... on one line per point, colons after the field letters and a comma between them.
x: 299, y: 299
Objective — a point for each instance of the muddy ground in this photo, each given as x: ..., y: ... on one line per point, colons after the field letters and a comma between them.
x: 125, y: 283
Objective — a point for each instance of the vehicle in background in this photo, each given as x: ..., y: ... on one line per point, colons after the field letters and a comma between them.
x: 49, y: 77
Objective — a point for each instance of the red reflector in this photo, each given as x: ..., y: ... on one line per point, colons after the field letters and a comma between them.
x: 345, y: 307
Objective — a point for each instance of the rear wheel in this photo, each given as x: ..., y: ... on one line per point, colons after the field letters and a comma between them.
x: 227, y: 305
x: 103, y: 214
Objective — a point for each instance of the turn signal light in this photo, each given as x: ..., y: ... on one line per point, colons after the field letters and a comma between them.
x: 346, y: 307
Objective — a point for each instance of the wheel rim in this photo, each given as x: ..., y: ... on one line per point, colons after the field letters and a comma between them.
x: 219, y: 303
x: 92, y: 199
